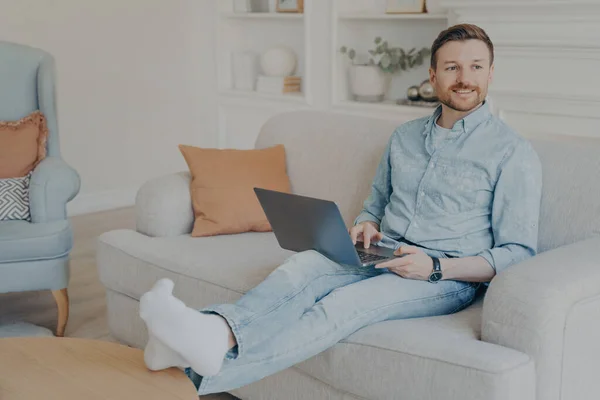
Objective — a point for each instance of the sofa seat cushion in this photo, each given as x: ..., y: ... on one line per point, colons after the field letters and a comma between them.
x: 26, y: 241
x: 379, y: 361
x: 130, y: 262
x: 392, y: 359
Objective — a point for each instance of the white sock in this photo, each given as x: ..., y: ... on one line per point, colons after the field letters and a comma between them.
x: 158, y: 356
x: 200, y: 340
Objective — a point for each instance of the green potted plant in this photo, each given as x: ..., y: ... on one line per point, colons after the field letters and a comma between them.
x: 369, y: 81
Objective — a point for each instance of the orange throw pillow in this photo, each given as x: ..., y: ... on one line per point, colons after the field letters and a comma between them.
x: 22, y: 145
x: 222, y: 188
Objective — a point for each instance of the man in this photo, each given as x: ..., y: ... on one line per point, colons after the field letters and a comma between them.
x: 457, y: 194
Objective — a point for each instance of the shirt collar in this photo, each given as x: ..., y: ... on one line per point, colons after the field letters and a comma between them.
x: 466, y: 124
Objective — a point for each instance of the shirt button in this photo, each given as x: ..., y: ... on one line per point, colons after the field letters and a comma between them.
x: 422, y: 194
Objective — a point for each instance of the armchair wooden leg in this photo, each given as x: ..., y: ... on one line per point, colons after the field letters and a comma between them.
x: 62, y: 302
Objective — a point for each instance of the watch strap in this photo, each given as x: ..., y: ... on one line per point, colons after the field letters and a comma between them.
x: 436, y: 264
x: 436, y: 273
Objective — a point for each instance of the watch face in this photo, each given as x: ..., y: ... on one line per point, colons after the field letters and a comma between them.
x: 434, y: 277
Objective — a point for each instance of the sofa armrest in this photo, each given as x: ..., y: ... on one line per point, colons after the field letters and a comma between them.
x: 53, y: 184
x: 163, y: 206
x: 549, y: 307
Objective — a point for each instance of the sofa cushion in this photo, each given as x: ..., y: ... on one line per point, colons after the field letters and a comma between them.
x: 14, y: 199
x: 25, y: 241
x: 22, y: 145
x: 130, y: 262
x: 222, y: 186
x: 391, y: 358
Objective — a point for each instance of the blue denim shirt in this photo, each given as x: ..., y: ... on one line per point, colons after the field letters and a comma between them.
x: 474, y: 192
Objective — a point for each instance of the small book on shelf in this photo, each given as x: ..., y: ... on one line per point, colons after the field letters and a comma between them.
x: 278, y: 84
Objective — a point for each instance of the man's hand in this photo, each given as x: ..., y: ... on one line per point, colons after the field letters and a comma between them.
x: 366, y: 232
x: 414, y: 264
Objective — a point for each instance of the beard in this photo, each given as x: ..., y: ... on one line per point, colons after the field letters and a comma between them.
x: 453, y: 101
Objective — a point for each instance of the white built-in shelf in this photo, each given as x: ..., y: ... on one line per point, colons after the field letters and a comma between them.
x: 262, y: 15
x: 386, y: 107
x: 257, y: 96
x: 357, y: 29
x: 377, y: 17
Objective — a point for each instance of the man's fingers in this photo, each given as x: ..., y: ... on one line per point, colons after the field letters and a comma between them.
x: 359, y: 237
x: 402, y: 250
x: 354, y: 231
x: 365, y: 233
x: 411, y: 249
x: 396, y: 263
x: 373, y: 234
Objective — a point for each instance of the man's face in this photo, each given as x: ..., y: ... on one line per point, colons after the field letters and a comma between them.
x: 463, y: 74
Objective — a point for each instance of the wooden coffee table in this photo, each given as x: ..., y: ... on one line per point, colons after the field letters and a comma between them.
x: 68, y: 368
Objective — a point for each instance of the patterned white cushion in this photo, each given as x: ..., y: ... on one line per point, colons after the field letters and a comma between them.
x: 14, y: 198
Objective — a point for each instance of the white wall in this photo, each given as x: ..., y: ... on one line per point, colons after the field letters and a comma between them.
x: 547, y: 59
x: 135, y: 79
x: 138, y: 77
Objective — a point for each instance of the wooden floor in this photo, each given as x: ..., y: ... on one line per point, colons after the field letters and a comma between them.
x: 87, y: 317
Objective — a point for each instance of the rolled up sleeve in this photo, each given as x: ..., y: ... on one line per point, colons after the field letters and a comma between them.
x: 516, y: 209
x: 381, y: 189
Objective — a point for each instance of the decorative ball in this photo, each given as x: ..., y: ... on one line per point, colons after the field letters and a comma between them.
x: 427, y: 92
x: 278, y: 61
x: 413, y: 93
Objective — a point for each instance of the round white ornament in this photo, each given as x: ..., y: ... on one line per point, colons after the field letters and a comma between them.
x: 278, y: 61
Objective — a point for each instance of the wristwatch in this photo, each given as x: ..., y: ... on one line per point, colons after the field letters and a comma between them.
x: 436, y: 273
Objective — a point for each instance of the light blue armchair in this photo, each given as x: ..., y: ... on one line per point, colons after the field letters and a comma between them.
x: 35, y: 255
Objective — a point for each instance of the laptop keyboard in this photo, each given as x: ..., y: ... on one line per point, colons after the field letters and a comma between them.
x: 367, y: 258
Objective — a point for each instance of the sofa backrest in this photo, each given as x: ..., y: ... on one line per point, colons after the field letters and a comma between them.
x: 334, y: 156
x: 18, y: 80
x: 571, y: 188
x: 330, y: 156
x: 27, y: 84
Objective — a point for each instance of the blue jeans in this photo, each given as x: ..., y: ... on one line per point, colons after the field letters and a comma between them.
x: 310, y: 303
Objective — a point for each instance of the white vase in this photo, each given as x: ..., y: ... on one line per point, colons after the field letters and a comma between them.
x: 273, y: 6
x: 367, y: 83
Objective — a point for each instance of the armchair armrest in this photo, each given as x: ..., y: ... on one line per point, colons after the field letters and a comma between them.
x: 163, y: 206
x: 53, y: 184
x: 549, y: 307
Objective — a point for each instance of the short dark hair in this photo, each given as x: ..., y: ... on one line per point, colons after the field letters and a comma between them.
x: 461, y: 33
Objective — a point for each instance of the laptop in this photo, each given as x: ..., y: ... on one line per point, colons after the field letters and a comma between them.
x: 303, y: 223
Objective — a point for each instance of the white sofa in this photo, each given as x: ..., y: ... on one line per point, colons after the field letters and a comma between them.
x: 533, y: 335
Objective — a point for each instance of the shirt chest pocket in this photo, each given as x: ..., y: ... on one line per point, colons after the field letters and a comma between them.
x: 461, y: 187
x: 407, y: 172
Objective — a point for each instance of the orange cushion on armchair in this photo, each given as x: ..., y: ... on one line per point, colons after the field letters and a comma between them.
x: 222, y: 186
x: 22, y: 145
